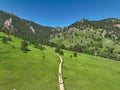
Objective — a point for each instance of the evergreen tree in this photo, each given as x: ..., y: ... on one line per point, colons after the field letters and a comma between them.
x: 75, y: 54
x: 57, y: 50
x: 24, y: 46
x: 4, y: 39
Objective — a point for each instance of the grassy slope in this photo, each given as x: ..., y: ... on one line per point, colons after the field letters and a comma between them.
x: 72, y: 40
x: 27, y: 71
x: 31, y: 72
x: 87, y: 72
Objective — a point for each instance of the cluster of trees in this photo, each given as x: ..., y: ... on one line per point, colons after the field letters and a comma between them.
x: 39, y: 46
x: 109, y: 55
x: 24, y: 46
x: 5, y: 39
x: 95, y: 50
x: 91, y: 48
x: 74, y: 54
x: 58, y: 50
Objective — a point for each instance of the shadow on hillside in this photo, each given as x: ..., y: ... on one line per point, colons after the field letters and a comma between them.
x: 5, y: 52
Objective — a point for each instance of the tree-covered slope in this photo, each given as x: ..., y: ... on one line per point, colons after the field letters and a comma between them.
x: 34, y: 70
x: 94, y: 37
x: 28, y: 30
x: 38, y: 69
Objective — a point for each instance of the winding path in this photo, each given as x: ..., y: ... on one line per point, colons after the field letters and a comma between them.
x: 61, y: 84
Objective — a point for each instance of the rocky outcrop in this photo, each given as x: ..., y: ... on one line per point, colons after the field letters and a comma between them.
x: 33, y: 30
x: 8, y: 24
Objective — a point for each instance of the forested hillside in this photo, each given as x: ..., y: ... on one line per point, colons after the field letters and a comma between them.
x: 31, y: 70
x: 27, y: 30
x: 100, y: 38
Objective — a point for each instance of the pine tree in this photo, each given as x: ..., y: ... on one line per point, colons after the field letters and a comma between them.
x: 75, y: 54
x: 24, y: 46
x: 4, y: 39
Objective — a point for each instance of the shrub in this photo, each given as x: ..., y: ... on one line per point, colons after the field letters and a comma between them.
x: 24, y: 46
x: 75, y: 54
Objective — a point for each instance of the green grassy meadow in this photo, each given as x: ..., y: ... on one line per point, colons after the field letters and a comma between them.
x: 27, y: 71
x: 86, y: 72
x: 30, y: 71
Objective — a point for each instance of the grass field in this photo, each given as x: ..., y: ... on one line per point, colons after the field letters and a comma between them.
x: 27, y: 71
x: 30, y: 71
x: 86, y: 72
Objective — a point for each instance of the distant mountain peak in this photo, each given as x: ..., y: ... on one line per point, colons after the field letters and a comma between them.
x: 25, y: 29
x: 83, y: 20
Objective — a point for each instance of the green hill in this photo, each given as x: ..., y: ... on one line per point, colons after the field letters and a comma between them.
x: 100, y: 38
x: 37, y: 68
x: 27, y: 30
x: 86, y: 72
x: 27, y: 71
x: 32, y: 71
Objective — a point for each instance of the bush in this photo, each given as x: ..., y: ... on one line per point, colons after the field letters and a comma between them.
x: 39, y: 46
x: 9, y: 38
x: 70, y: 56
x: 24, y: 46
x: 75, y: 54
x: 57, y: 50
x: 4, y: 39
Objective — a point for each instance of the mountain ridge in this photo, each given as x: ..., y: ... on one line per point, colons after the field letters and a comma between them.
x: 100, y: 38
x: 28, y: 30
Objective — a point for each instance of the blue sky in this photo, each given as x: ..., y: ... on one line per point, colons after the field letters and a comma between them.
x: 61, y: 12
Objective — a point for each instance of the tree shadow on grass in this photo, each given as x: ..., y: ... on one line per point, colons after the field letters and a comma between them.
x: 5, y: 52
x: 64, y: 78
x: 64, y: 67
